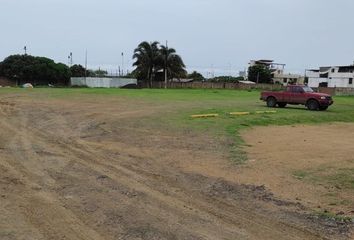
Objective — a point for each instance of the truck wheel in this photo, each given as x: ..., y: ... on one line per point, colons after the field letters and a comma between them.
x: 282, y: 105
x: 313, y: 105
x: 323, y: 108
x: 271, y: 102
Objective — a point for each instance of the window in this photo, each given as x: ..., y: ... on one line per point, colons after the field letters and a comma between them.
x: 350, y: 80
x: 333, y: 70
x: 285, y: 80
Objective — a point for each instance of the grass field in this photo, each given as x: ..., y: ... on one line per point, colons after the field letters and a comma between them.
x: 186, y: 102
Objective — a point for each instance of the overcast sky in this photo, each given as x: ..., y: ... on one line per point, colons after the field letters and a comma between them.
x: 210, y: 35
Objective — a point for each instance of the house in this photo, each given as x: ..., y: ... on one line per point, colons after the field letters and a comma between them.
x: 335, y: 76
x: 278, y: 72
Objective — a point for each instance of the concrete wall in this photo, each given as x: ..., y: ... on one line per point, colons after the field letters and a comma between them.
x: 102, y: 82
x: 334, y: 79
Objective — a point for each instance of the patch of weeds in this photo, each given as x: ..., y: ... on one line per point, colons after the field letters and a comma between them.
x: 334, y: 217
x: 342, y: 178
x: 301, y: 174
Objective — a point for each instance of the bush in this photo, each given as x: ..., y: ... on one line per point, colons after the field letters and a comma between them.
x: 34, y: 70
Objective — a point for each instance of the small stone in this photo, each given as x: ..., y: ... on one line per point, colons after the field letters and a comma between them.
x: 102, y: 177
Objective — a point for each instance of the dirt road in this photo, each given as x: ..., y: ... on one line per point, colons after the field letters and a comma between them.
x: 90, y: 168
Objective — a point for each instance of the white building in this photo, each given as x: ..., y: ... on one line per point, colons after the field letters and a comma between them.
x: 337, y: 76
x: 278, y: 72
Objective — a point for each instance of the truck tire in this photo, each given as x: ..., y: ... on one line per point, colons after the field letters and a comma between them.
x: 282, y: 105
x: 323, y: 108
x: 313, y: 105
x: 271, y: 102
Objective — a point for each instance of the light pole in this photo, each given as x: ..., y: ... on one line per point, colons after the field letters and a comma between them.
x: 122, y: 63
x: 166, y: 65
x: 70, y: 59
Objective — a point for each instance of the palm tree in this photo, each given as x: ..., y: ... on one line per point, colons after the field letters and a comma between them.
x: 147, y: 56
x: 172, y: 64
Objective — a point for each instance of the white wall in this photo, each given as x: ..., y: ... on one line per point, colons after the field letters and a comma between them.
x: 315, y: 81
x: 102, y: 82
x: 335, y: 79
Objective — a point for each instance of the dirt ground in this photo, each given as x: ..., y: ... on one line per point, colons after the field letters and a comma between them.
x: 305, y: 163
x: 94, y: 168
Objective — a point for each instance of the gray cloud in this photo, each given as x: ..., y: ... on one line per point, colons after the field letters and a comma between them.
x: 218, y: 33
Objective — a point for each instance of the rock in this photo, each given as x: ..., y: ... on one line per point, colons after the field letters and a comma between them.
x: 27, y: 85
x: 102, y: 177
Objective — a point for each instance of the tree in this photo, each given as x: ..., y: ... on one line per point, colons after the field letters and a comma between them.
x: 259, y: 74
x: 196, y: 76
x: 152, y: 58
x: 172, y: 63
x: 100, y: 73
x: 226, y: 79
x: 77, y: 71
x: 146, y: 57
x: 35, y: 70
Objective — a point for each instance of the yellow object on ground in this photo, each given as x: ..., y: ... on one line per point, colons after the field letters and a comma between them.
x: 239, y: 113
x: 262, y: 112
x: 205, y: 115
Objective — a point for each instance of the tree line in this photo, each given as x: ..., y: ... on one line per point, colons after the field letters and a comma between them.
x: 152, y: 62
x: 42, y: 71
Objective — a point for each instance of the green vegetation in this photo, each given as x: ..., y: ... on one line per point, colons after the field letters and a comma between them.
x: 196, y: 76
x: 259, y: 74
x: 36, y: 70
x: 333, y: 216
x: 151, y: 58
x: 342, y: 178
x: 192, y: 101
x: 226, y: 79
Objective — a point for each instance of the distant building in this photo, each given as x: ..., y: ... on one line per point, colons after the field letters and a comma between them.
x: 278, y: 73
x: 336, y: 76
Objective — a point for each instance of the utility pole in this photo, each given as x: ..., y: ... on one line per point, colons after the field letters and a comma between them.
x: 166, y: 65
x: 85, y: 64
x: 25, y: 48
x: 70, y: 59
x: 122, y: 63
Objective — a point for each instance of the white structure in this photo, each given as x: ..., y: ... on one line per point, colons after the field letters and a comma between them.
x: 93, y: 82
x: 337, y: 76
x: 278, y: 74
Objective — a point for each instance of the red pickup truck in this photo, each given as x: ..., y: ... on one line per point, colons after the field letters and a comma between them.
x: 298, y: 95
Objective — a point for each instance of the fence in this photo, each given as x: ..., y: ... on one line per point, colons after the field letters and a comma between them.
x: 339, y: 91
x: 4, y: 82
x: 102, y: 82
x: 215, y: 85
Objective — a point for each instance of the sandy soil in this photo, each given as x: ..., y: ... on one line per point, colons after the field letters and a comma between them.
x: 277, y: 154
x: 90, y: 168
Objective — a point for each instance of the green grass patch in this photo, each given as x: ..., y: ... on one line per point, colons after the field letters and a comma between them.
x: 333, y: 216
x: 342, y: 178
